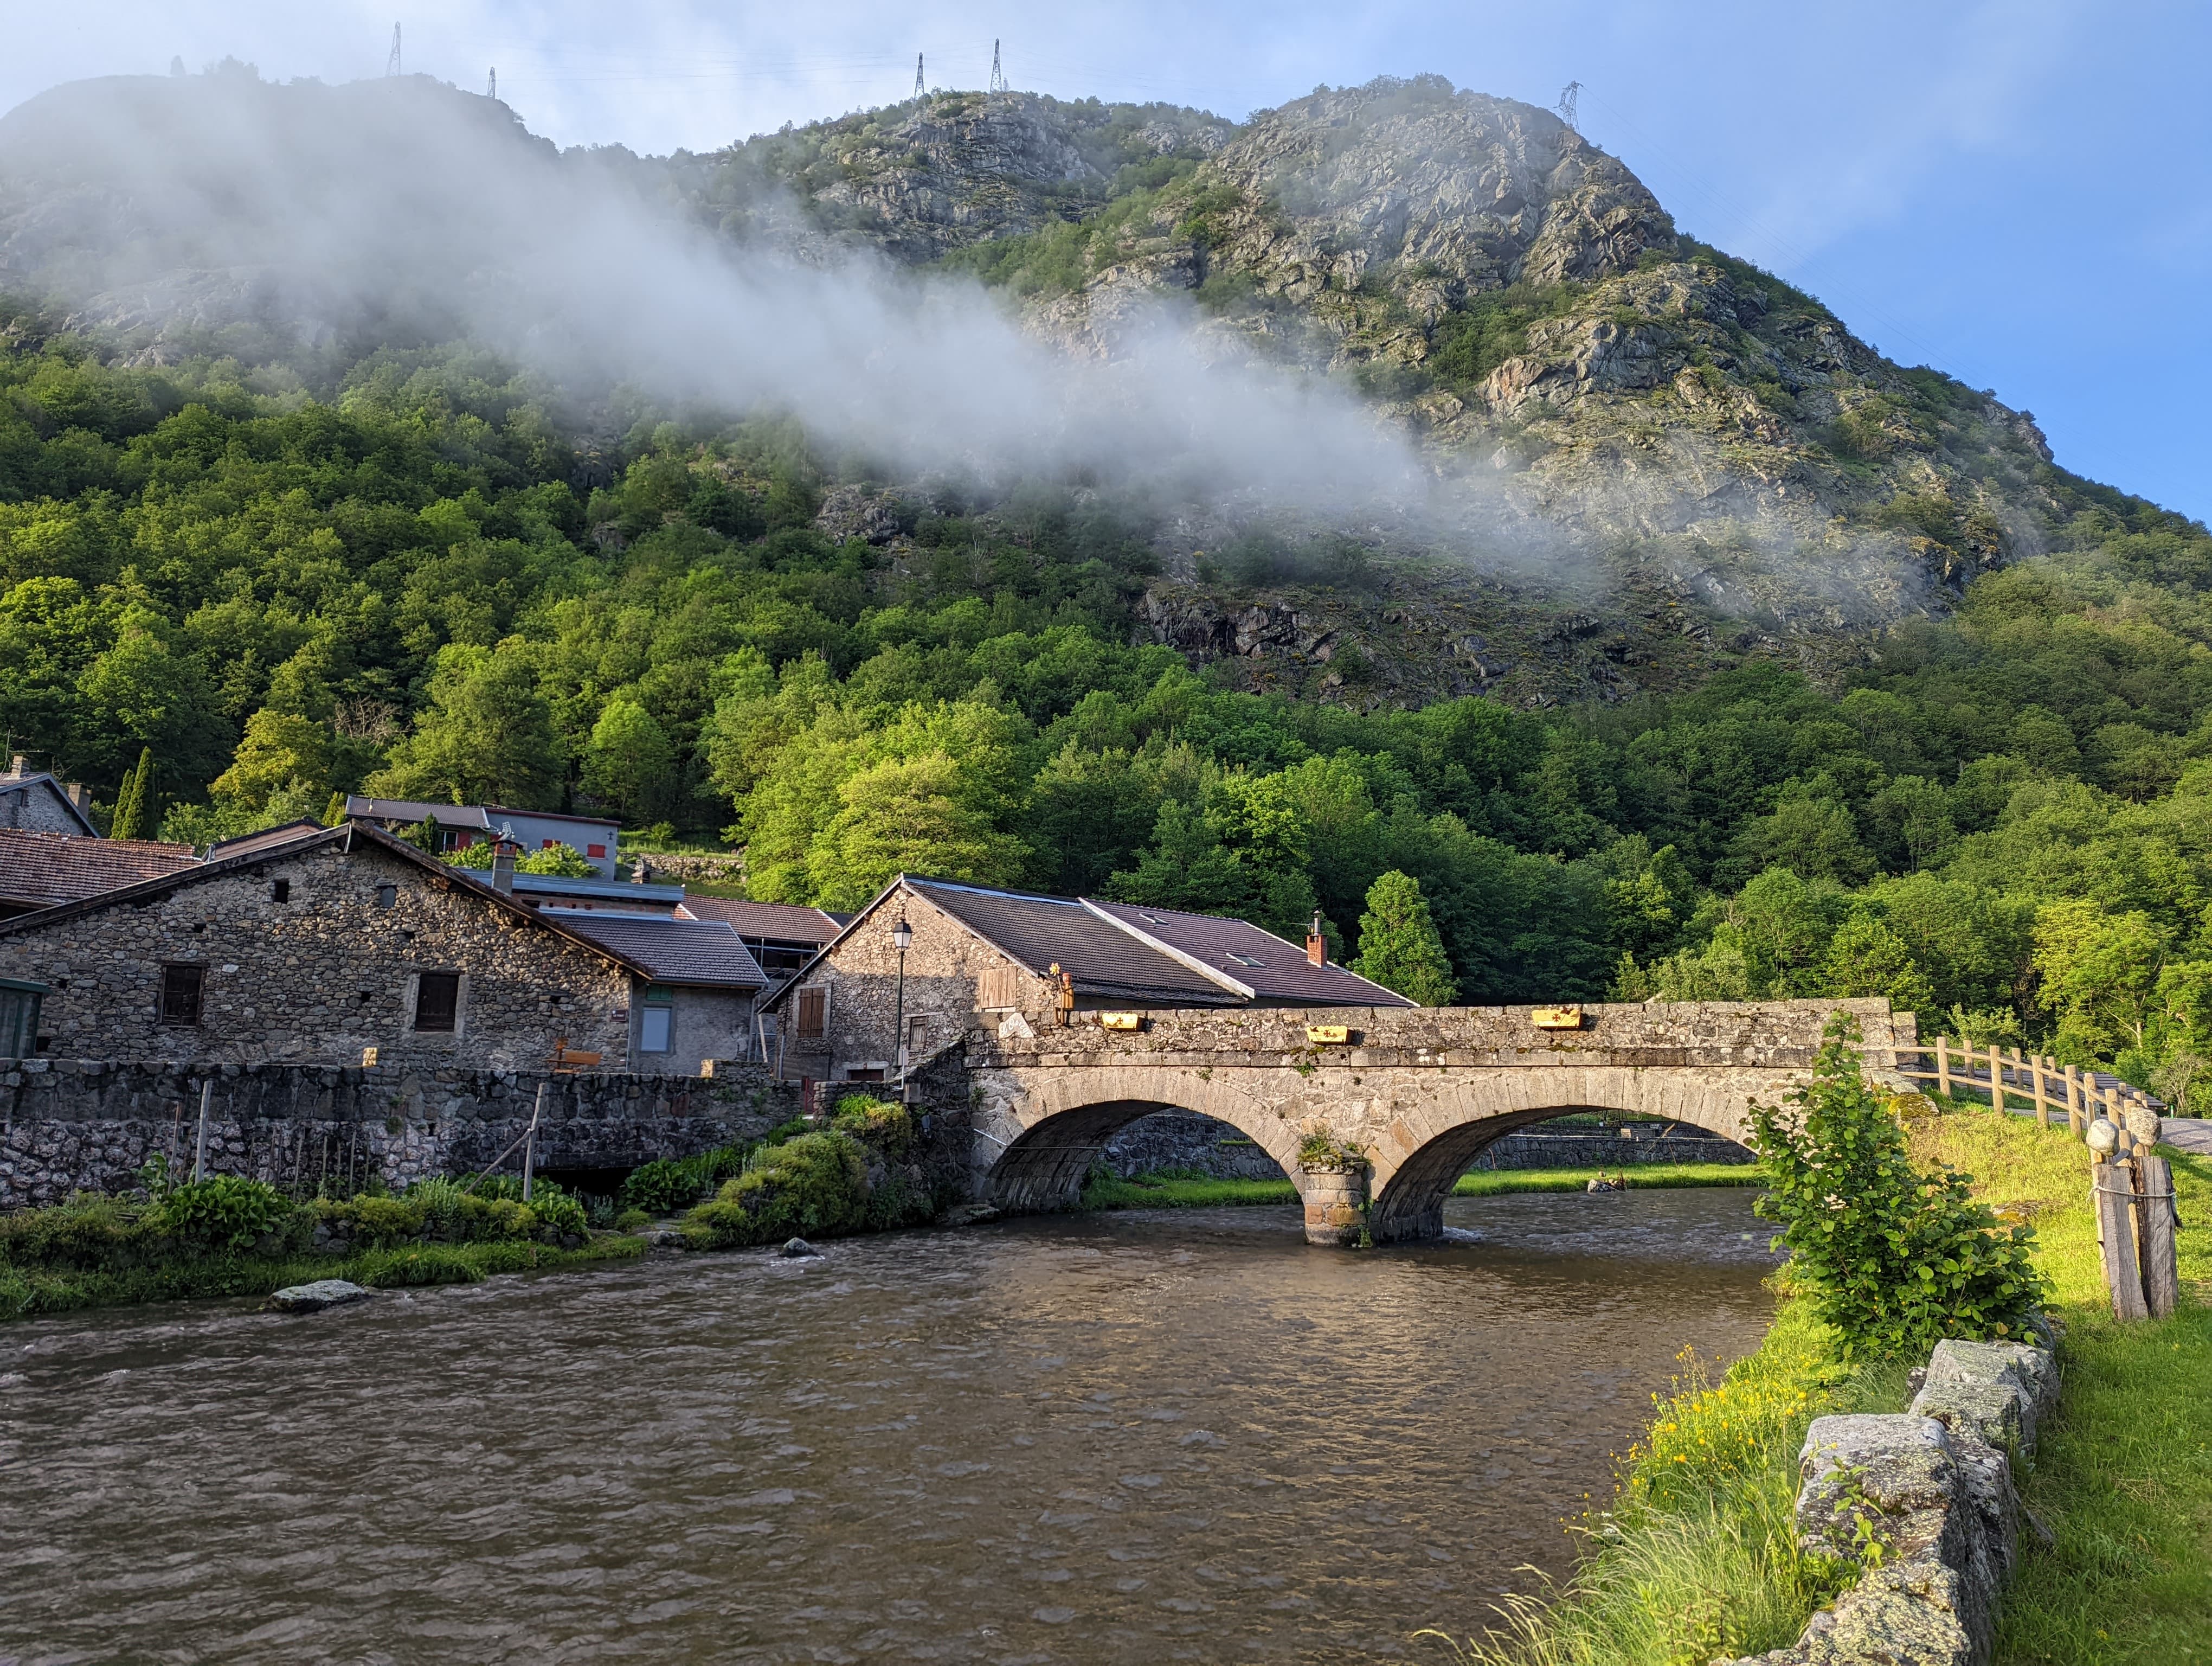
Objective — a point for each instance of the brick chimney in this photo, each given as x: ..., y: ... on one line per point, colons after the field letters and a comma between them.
x: 18, y: 767
x: 1316, y: 944
x: 502, y: 865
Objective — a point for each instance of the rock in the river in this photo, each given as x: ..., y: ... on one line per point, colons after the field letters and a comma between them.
x: 314, y: 1297
x: 798, y: 1249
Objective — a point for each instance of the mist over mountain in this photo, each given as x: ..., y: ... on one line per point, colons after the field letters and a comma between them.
x: 1438, y: 324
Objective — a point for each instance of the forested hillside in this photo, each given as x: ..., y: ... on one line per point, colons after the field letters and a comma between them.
x: 425, y: 570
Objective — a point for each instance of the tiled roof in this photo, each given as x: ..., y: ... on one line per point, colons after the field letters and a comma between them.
x: 770, y: 923
x: 687, y: 951
x: 269, y: 838
x: 40, y: 869
x: 1275, y: 971
x: 544, y: 887
x: 1042, y: 932
x: 500, y: 811
x: 414, y: 810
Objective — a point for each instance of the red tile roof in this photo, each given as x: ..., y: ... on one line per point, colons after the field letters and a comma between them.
x: 38, y: 870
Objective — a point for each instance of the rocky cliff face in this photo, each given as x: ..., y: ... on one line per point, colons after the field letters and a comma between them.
x: 1663, y: 457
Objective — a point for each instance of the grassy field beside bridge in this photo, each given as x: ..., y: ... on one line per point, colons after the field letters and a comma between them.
x: 1186, y: 1188
x: 1697, y: 1558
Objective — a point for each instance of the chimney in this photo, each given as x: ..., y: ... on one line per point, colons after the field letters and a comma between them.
x: 79, y: 795
x: 1316, y: 944
x: 18, y: 767
x: 502, y: 865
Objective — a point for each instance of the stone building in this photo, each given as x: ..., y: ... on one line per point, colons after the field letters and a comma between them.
x: 311, y: 945
x: 697, y: 1003
x: 1013, y: 962
x: 35, y: 800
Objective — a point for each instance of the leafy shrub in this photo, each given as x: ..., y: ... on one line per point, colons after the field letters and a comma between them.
x: 661, y: 1186
x: 395, y: 1269
x: 816, y: 1184
x: 879, y: 1123
x: 224, y: 1212
x: 381, y: 1220
x: 1894, y: 1259
x: 86, y: 1230
x: 557, y: 1211
x: 630, y: 1219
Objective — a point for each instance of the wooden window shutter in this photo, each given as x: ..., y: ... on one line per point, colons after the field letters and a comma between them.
x: 813, y: 1013
x: 995, y: 987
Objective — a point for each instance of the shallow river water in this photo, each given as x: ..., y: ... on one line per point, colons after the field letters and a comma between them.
x: 1130, y: 1437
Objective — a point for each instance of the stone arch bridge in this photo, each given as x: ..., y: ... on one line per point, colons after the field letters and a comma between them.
x: 1420, y: 1091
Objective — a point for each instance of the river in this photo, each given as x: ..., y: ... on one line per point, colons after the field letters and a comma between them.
x: 1170, y: 1435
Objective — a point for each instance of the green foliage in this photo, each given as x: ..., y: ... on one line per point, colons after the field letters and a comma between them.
x: 1399, y: 947
x: 815, y: 1183
x: 1892, y: 1258
x: 224, y: 1212
x: 564, y: 861
x: 134, y: 806
x: 888, y: 1128
x: 400, y: 1269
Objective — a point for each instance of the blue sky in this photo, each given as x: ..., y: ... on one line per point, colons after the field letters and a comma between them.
x: 2014, y: 193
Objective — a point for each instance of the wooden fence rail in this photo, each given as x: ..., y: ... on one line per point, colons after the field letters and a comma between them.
x: 2130, y: 1187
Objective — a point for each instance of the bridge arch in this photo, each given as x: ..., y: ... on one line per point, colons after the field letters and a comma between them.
x: 1064, y: 1124
x: 1425, y: 1148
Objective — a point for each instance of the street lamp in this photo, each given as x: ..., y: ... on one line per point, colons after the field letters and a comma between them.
x: 901, y: 939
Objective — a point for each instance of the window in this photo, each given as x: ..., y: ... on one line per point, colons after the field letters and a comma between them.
x: 871, y: 1074
x: 547, y: 844
x: 595, y: 850
x: 181, y: 989
x: 813, y: 1013
x: 387, y: 896
x: 280, y: 891
x: 1246, y: 960
x: 656, y: 1022
x: 437, y: 1002
x: 994, y: 987
x: 917, y: 1041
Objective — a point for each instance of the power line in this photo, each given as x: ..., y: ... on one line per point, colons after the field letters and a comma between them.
x: 392, y: 64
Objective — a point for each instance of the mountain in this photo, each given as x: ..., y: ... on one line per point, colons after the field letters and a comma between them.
x: 1655, y: 459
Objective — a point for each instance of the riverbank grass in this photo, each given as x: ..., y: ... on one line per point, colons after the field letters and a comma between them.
x: 2123, y: 1475
x: 1186, y: 1188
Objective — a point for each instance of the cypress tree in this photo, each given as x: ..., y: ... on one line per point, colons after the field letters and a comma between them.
x: 1399, y: 947
x: 426, y: 834
x: 131, y: 818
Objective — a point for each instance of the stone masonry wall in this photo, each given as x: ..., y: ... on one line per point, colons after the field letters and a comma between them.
x: 1182, y: 1139
x: 71, y: 1125
x: 323, y: 975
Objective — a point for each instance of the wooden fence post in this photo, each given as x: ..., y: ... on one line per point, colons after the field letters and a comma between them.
x: 1996, y: 1077
x: 2154, y: 1223
x: 2042, y: 1090
x: 1943, y: 1065
x: 2076, y: 1121
x: 2113, y: 1193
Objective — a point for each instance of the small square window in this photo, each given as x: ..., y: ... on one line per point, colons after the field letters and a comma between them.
x: 437, y: 1002
x: 182, y: 988
x: 595, y: 850
x: 280, y: 891
x: 387, y: 896
x: 1245, y: 960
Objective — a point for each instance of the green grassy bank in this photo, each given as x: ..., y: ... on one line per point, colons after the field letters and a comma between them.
x: 1697, y: 1557
x: 1187, y: 1189
x: 2122, y: 1477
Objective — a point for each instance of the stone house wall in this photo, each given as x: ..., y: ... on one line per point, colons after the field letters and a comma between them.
x: 705, y: 1023
x: 943, y: 967
x: 71, y: 1125
x: 39, y: 808
x: 323, y: 973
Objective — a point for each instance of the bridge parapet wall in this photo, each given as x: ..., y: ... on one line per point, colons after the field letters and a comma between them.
x: 1666, y: 1035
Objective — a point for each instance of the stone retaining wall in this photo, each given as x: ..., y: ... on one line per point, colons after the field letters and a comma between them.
x: 1606, y: 1151
x: 79, y: 1125
x: 1184, y: 1140
x: 1934, y: 1485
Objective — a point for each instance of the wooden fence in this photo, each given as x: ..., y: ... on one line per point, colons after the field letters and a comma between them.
x: 2130, y: 1187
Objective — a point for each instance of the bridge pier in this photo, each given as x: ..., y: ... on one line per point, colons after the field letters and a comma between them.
x: 1336, y: 1206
